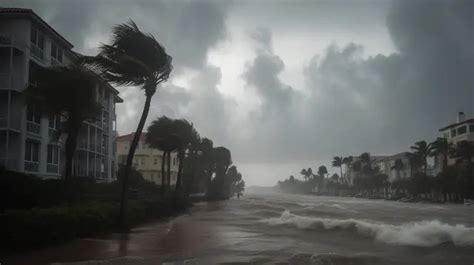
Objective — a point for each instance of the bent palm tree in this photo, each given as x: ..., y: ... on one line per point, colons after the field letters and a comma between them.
x: 187, y: 135
x: 338, y: 162
x: 133, y: 58
x: 68, y: 91
x: 441, y: 147
x: 161, y: 136
x: 422, y: 150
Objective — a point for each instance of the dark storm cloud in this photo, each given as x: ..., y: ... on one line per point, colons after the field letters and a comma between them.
x: 381, y: 104
x: 188, y: 29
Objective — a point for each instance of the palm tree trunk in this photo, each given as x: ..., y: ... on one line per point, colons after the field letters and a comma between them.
x: 128, y: 166
x: 180, y: 170
x: 70, y: 148
x: 163, y: 170
x: 169, y: 169
x: 341, y: 172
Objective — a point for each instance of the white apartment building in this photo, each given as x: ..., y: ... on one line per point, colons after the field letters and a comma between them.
x: 29, y: 139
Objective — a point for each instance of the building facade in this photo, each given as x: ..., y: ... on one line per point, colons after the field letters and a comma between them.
x: 30, y: 141
x: 461, y: 130
x: 147, y: 160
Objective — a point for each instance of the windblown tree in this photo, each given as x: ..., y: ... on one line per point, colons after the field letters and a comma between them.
x: 133, y: 58
x: 347, y: 161
x: 222, y: 159
x: 441, y: 147
x: 187, y: 135
x: 338, y: 162
x: 307, y: 173
x: 67, y: 91
x: 162, y: 136
x: 422, y: 150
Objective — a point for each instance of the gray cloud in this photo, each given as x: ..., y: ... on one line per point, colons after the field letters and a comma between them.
x: 188, y: 29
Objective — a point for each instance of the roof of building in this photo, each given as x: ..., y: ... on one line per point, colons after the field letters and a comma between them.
x: 129, y: 137
x: 29, y: 13
x: 456, y: 124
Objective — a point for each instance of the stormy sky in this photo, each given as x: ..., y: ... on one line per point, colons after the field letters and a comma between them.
x: 290, y: 84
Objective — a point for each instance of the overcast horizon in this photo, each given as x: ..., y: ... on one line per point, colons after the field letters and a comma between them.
x: 290, y: 84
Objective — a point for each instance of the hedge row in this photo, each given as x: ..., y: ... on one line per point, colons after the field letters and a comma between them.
x: 27, y: 228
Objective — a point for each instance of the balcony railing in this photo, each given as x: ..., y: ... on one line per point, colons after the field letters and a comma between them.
x: 31, y: 166
x: 32, y: 127
x: 11, y: 81
x: 37, y: 52
x: 52, y: 168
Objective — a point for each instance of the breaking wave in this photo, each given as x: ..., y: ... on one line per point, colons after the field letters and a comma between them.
x: 424, y: 233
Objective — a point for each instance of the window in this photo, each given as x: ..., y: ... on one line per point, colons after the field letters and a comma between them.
x: 143, y: 161
x: 471, y: 128
x: 37, y: 41
x: 53, y: 154
x: 56, y: 53
x: 54, y: 122
x: 462, y: 130
x: 32, y: 114
x: 155, y: 161
x: 446, y: 135
x: 37, y: 38
x: 453, y: 133
x: 32, y: 151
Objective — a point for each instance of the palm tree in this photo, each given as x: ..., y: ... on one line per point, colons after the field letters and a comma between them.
x: 161, y: 135
x: 307, y: 173
x: 222, y: 159
x: 68, y: 91
x: 347, y: 161
x: 187, y: 135
x: 441, y: 147
x: 133, y: 58
x: 206, y: 148
x: 422, y: 150
x: 322, y: 171
x: 338, y: 162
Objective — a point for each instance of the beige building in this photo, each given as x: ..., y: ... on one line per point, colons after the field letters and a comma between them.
x: 147, y: 160
x: 461, y: 130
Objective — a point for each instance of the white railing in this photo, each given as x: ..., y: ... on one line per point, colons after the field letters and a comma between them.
x: 32, y: 127
x: 37, y: 52
x: 52, y: 168
x: 31, y: 166
x: 10, y: 81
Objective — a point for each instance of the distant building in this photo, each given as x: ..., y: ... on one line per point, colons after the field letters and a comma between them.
x: 28, y: 137
x: 461, y: 130
x: 147, y: 160
x: 386, y: 165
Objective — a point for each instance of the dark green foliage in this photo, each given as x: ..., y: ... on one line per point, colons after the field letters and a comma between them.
x: 35, y: 212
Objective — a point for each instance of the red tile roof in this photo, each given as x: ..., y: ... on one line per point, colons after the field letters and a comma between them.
x: 129, y: 137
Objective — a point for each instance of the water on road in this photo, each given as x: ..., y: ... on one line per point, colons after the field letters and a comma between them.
x: 285, y: 229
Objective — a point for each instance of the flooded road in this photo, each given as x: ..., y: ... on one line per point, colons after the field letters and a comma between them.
x: 285, y: 229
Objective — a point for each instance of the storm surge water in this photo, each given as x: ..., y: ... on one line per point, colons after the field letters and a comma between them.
x: 422, y: 233
x: 274, y: 228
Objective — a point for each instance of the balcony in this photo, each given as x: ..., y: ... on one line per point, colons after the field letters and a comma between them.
x: 11, y: 81
x: 33, y: 128
x: 8, y: 40
x: 37, y: 52
x: 52, y: 168
x: 31, y: 166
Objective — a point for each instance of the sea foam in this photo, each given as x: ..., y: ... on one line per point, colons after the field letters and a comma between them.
x: 423, y: 233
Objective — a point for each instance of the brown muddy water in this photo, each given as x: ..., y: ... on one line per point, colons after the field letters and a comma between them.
x: 283, y: 229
